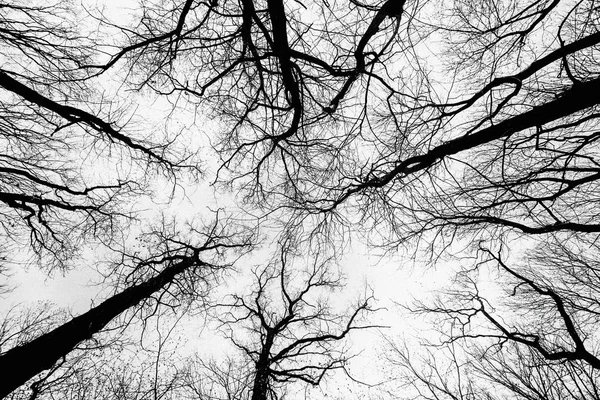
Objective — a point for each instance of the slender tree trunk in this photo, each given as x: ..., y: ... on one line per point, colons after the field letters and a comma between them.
x: 23, y: 362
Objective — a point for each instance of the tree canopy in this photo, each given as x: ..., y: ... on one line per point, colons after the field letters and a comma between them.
x: 459, y: 134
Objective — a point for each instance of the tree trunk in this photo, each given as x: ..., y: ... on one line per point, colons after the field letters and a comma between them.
x: 261, y: 379
x: 23, y: 362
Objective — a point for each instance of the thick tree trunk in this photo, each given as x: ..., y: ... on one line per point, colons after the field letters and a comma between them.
x: 261, y: 378
x: 23, y: 362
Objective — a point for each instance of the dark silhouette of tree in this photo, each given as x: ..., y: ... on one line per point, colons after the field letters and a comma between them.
x: 549, y: 303
x: 465, y: 373
x: 111, y: 372
x: 172, y: 272
x: 287, y: 329
x: 521, y: 329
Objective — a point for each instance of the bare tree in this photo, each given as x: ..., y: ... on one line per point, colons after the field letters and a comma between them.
x: 549, y: 304
x: 529, y: 326
x: 173, y: 272
x: 461, y: 371
x: 113, y: 370
x: 286, y: 327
